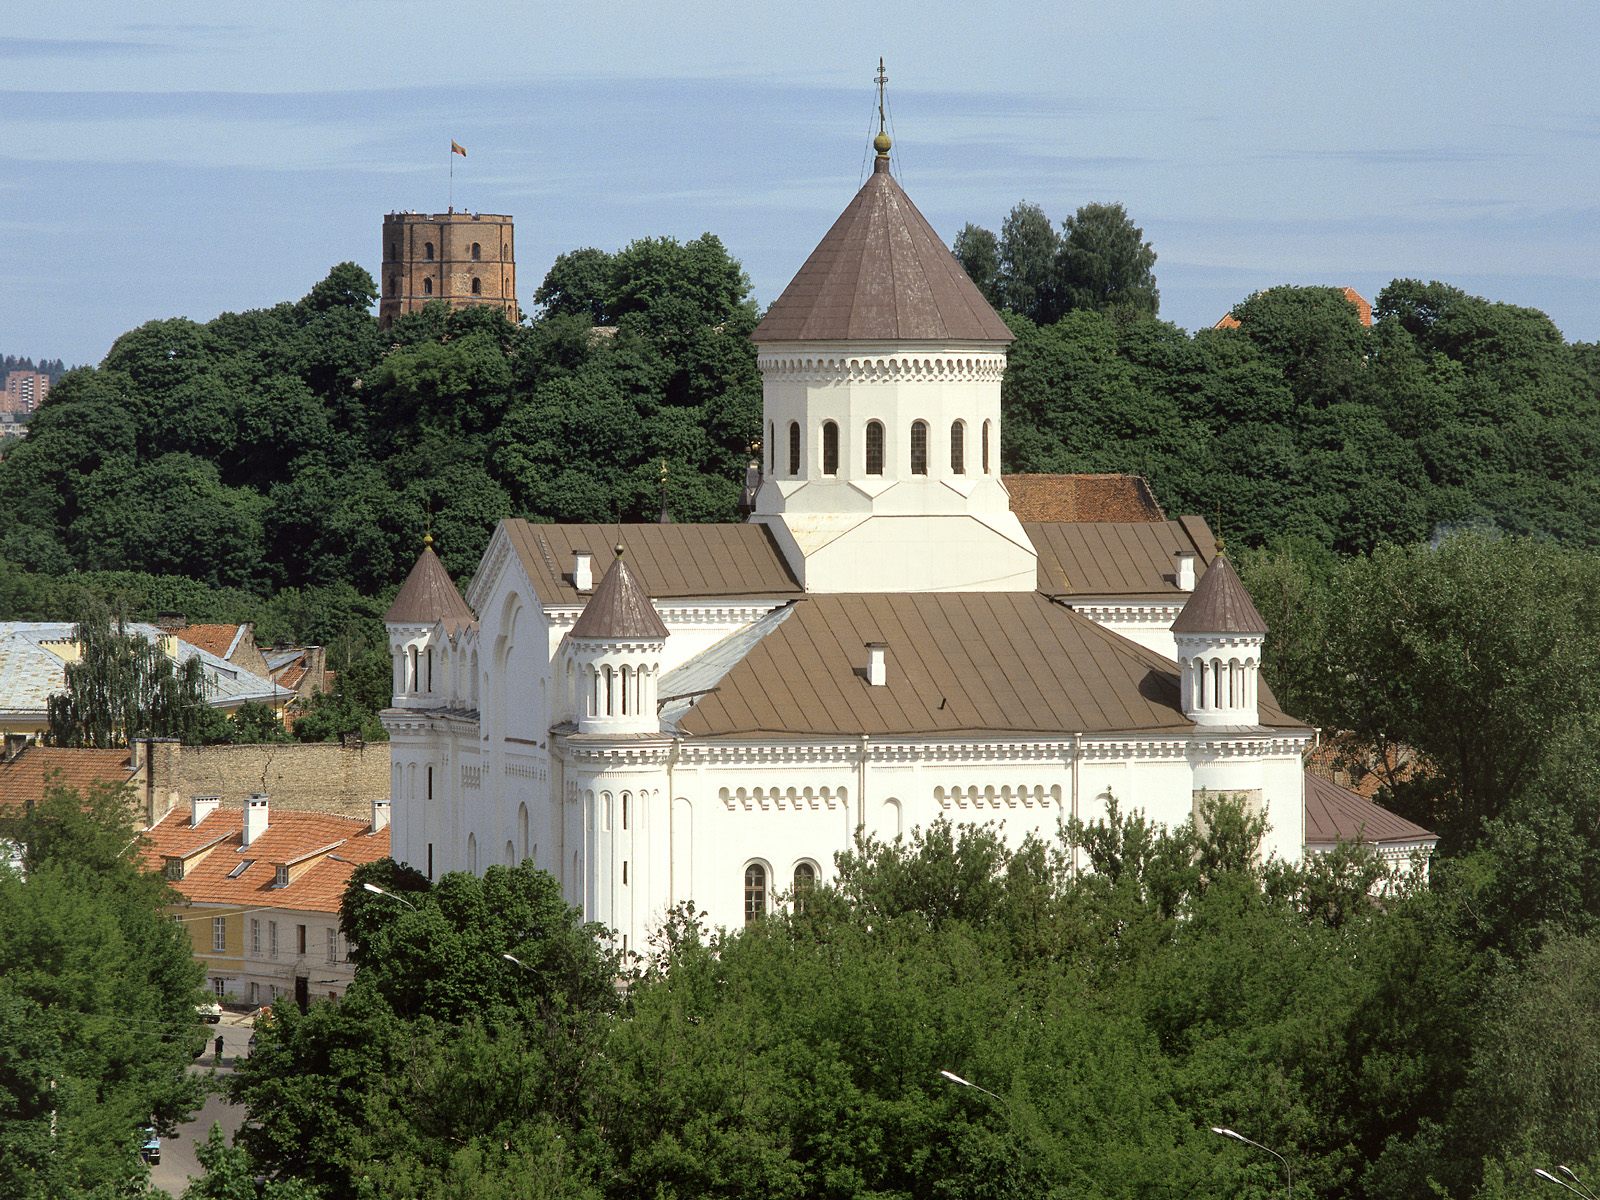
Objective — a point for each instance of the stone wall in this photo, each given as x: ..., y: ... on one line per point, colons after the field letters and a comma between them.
x: 303, y: 776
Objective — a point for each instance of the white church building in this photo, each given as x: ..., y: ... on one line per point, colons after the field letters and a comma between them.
x: 665, y: 713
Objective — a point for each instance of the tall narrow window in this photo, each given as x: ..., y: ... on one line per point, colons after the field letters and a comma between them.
x: 772, y: 448
x: 427, y: 287
x: 255, y: 935
x: 874, y: 447
x: 427, y: 251
x: 477, y: 286
x: 830, y: 448
x: 805, y: 878
x: 919, y: 447
x: 477, y: 253
x: 794, y: 447
x: 219, y: 933
x: 272, y: 939
x: 626, y: 805
x: 755, y: 893
x: 333, y: 945
x: 958, y: 448
x: 986, y: 447
x: 429, y: 676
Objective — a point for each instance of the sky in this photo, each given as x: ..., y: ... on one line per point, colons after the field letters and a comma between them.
x: 185, y: 159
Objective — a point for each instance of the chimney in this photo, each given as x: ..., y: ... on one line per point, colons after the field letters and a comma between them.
x: 380, y: 814
x: 16, y: 743
x: 202, y: 807
x: 255, y: 817
x: 1184, y: 576
x: 169, y: 622
x: 583, y: 571
x: 878, y: 663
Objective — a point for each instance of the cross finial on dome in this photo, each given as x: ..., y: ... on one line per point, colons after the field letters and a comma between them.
x: 881, y: 143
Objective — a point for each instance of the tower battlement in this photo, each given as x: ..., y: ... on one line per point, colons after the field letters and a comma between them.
x: 462, y: 258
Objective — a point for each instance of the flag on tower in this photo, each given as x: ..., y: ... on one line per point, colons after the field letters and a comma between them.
x: 457, y: 148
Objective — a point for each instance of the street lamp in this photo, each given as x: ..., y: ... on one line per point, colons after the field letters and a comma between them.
x: 1577, y: 1190
x: 378, y: 891
x: 512, y: 958
x: 1239, y: 1137
x: 967, y: 1083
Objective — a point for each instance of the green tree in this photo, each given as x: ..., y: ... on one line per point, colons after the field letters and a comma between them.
x: 1105, y: 263
x: 1029, y: 246
x: 978, y: 252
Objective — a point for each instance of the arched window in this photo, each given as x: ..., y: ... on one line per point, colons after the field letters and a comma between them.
x: 830, y: 448
x: 472, y: 853
x: 511, y: 855
x: 427, y: 251
x: 522, y: 828
x: 805, y: 878
x: 986, y: 447
x: 626, y: 806
x: 794, y: 447
x: 958, y: 448
x: 608, y: 704
x: 429, y: 687
x: 874, y: 447
x: 427, y: 287
x: 394, y: 284
x: 411, y: 669
x: 919, y: 447
x: 755, y: 893
x: 772, y: 448
x: 477, y: 286
x: 477, y: 253
x: 625, y: 673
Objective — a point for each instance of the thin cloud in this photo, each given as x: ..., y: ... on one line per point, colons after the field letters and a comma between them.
x: 25, y: 48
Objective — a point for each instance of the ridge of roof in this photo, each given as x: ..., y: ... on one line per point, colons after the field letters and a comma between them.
x: 1219, y: 604
x: 429, y: 595
x: 619, y: 609
x: 881, y: 273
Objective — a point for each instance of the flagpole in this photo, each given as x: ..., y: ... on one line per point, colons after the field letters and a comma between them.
x: 452, y: 177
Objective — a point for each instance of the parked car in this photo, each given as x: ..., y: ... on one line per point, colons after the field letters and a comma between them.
x: 151, y: 1150
x: 209, y: 1012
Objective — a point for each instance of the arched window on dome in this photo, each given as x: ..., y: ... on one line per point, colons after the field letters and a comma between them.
x: 874, y: 447
x: 794, y: 447
x: 805, y: 878
x: 755, y: 893
x: 830, y: 448
x: 958, y: 448
x: 919, y: 447
x: 986, y: 447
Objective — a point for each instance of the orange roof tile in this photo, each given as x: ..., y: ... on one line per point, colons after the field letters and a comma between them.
x: 39, y: 768
x: 289, y: 837
x: 1082, y: 498
x: 213, y: 639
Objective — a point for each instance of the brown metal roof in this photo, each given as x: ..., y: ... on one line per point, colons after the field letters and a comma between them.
x: 619, y: 608
x: 1117, y: 558
x: 427, y: 596
x: 1219, y: 604
x: 1082, y: 498
x: 1336, y: 814
x: 667, y: 561
x: 881, y: 274
x: 958, y: 663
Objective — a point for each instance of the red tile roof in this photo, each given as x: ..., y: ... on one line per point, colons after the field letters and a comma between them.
x: 213, y: 639
x: 289, y: 838
x: 38, y: 768
x: 1082, y: 498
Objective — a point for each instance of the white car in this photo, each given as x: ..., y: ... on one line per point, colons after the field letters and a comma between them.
x: 210, y: 1012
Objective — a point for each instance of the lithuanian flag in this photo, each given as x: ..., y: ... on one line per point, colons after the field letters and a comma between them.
x: 457, y: 148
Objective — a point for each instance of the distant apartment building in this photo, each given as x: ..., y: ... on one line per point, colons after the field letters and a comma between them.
x: 464, y: 259
x: 25, y: 391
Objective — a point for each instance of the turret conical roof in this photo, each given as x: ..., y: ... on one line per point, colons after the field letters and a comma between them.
x: 1219, y: 604
x: 620, y: 610
x: 881, y: 274
x: 428, y: 595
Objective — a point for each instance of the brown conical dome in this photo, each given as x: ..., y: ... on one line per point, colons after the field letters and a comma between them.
x: 881, y: 274
x: 620, y: 610
x: 1220, y: 604
x: 428, y: 595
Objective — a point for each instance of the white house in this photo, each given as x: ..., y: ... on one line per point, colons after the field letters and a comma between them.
x: 708, y: 713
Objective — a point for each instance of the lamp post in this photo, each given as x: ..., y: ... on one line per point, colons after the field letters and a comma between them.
x: 967, y: 1083
x: 514, y: 960
x: 1575, y: 1187
x: 1239, y: 1137
x: 378, y: 891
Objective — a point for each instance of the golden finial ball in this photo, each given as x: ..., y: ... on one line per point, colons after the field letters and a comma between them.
x: 619, y: 548
x: 427, y: 541
x: 881, y: 143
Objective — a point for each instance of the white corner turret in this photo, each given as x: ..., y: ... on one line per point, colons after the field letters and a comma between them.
x: 1219, y: 635
x: 615, y: 650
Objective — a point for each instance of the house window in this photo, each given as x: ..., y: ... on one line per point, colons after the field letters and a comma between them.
x: 427, y: 251
x: 219, y: 986
x: 219, y: 933
x: 755, y: 893
x: 986, y: 447
x: 919, y: 447
x: 805, y: 878
x: 958, y: 448
x: 280, y: 877
x: 874, y: 447
x: 300, y: 939
x: 272, y: 946
x: 830, y: 448
x: 174, y: 869
x: 255, y: 936
x: 477, y: 286
x: 794, y: 447
x: 255, y: 994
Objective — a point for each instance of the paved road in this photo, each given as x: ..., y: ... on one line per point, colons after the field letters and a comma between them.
x: 178, y: 1161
